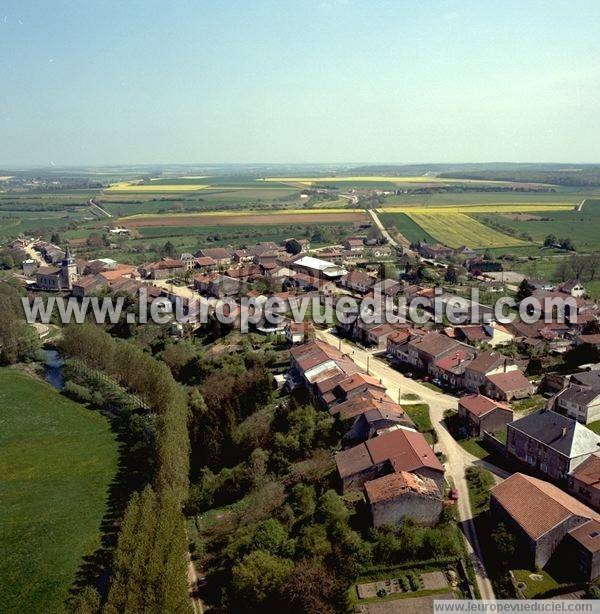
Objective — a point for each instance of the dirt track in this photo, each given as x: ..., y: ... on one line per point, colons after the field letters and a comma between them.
x: 242, y: 220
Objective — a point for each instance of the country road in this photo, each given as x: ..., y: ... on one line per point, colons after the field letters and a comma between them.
x: 96, y: 207
x: 385, y: 233
x: 458, y: 459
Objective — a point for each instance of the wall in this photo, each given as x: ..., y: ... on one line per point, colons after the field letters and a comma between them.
x: 425, y: 510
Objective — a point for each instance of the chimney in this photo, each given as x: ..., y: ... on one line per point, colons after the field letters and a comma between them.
x: 505, y: 364
x: 564, y: 431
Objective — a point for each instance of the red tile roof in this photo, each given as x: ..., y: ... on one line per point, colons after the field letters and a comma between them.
x: 509, y: 381
x: 394, y: 485
x: 408, y: 450
x: 537, y: 506
x: 480, y: 405
x: 589, y: 471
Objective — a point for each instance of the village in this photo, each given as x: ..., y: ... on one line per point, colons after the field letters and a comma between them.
x: 493, y: 402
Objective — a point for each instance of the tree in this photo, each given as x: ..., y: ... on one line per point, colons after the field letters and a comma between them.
x: 168, y: 250
x: 567, y: 244
x: 550, y: 241
x: 525, y: 290
x: 312, y: 587
x: 260, y: 575
x: 451, y: 275
x: 505, y: 543
x: 55, y: 238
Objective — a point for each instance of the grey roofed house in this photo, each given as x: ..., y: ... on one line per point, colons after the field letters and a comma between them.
x: 586, y: 378
x: 579, y: 394
x: 550, y: 443
x: 558, y: 432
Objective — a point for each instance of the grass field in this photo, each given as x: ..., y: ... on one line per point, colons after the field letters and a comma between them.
x: 57, y: 460
x: 456, y: 229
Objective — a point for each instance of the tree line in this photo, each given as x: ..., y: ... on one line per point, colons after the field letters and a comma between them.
x: 149, y: 562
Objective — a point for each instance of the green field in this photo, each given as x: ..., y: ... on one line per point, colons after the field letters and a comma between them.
x: 57, y: 460
x: 580, y: 226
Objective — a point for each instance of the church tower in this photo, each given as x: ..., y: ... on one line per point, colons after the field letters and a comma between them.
x: 68, y: 271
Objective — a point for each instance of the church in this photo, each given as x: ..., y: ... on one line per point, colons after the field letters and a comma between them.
x: 54, y: 279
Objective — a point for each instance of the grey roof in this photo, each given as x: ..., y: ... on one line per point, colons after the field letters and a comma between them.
x: 587, y: 378
x: 579, y: 394
x: 547, y: 426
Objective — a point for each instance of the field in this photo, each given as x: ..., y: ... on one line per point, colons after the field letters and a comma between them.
x: 507, y: 207
x: 419, y: 179
x: 155, y: 188
x: 293, y: 216
x: 57, y: 460
x: 457, y: 229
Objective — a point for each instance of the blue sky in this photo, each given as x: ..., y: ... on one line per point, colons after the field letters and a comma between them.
x: 307, y: 81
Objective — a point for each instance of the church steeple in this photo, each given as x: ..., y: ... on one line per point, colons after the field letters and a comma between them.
x: 68, y: 270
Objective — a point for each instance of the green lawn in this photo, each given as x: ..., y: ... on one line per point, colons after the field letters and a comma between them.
x: 473, y: 446
x: 594, y: 426
x: 419, y: 414
x: 479, y: 482
x: 537, y: 582
x: 57, y: 460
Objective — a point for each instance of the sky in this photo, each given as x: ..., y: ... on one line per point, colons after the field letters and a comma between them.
x: 307, y: 81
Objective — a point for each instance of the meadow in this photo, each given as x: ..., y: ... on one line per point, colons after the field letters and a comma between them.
x: 57, y: 460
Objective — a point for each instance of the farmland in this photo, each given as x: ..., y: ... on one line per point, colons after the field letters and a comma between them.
x: 57, y: 460
x: 375, y: 179
x: 498, y: 207
x: 247, y: 217
x: 457, y: 229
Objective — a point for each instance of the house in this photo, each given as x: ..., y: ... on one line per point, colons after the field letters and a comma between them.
x: 354, y: 244
x: 449, y: 369
x: 401, y: 495
x: 582, y: 551
x: 435, y: 251
x: 299, y: 332
x: 578, y: 402
x: 398, y: 450
x: 357, y: 383
x: 242, y: 255
x: 358, y: 281
x: 205, y: 263
x: 377, y: 417
x: 221, y: 286
x: 584, y: 481
x: 378, y: 334
x: 573, y: 288
x: 540, y: 515
x: 484, y: 365
x: 423, y: 351
x: 481, y: 413
x: 550, y: 443
x: 219, y: 254
x: 508, y: 385
x: 163, y: 269
x: 188, y: 261
x: 397, y: 343
x: 29, y: 267
x: 88, y: 285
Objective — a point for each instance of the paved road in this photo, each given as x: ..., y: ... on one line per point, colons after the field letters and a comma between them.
x: 458, y: 459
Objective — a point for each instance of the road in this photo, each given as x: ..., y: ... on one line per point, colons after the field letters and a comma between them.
x: 458, y: 459
x: 34, y: 255
x: 96, y: 207
x: 386, y: 234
